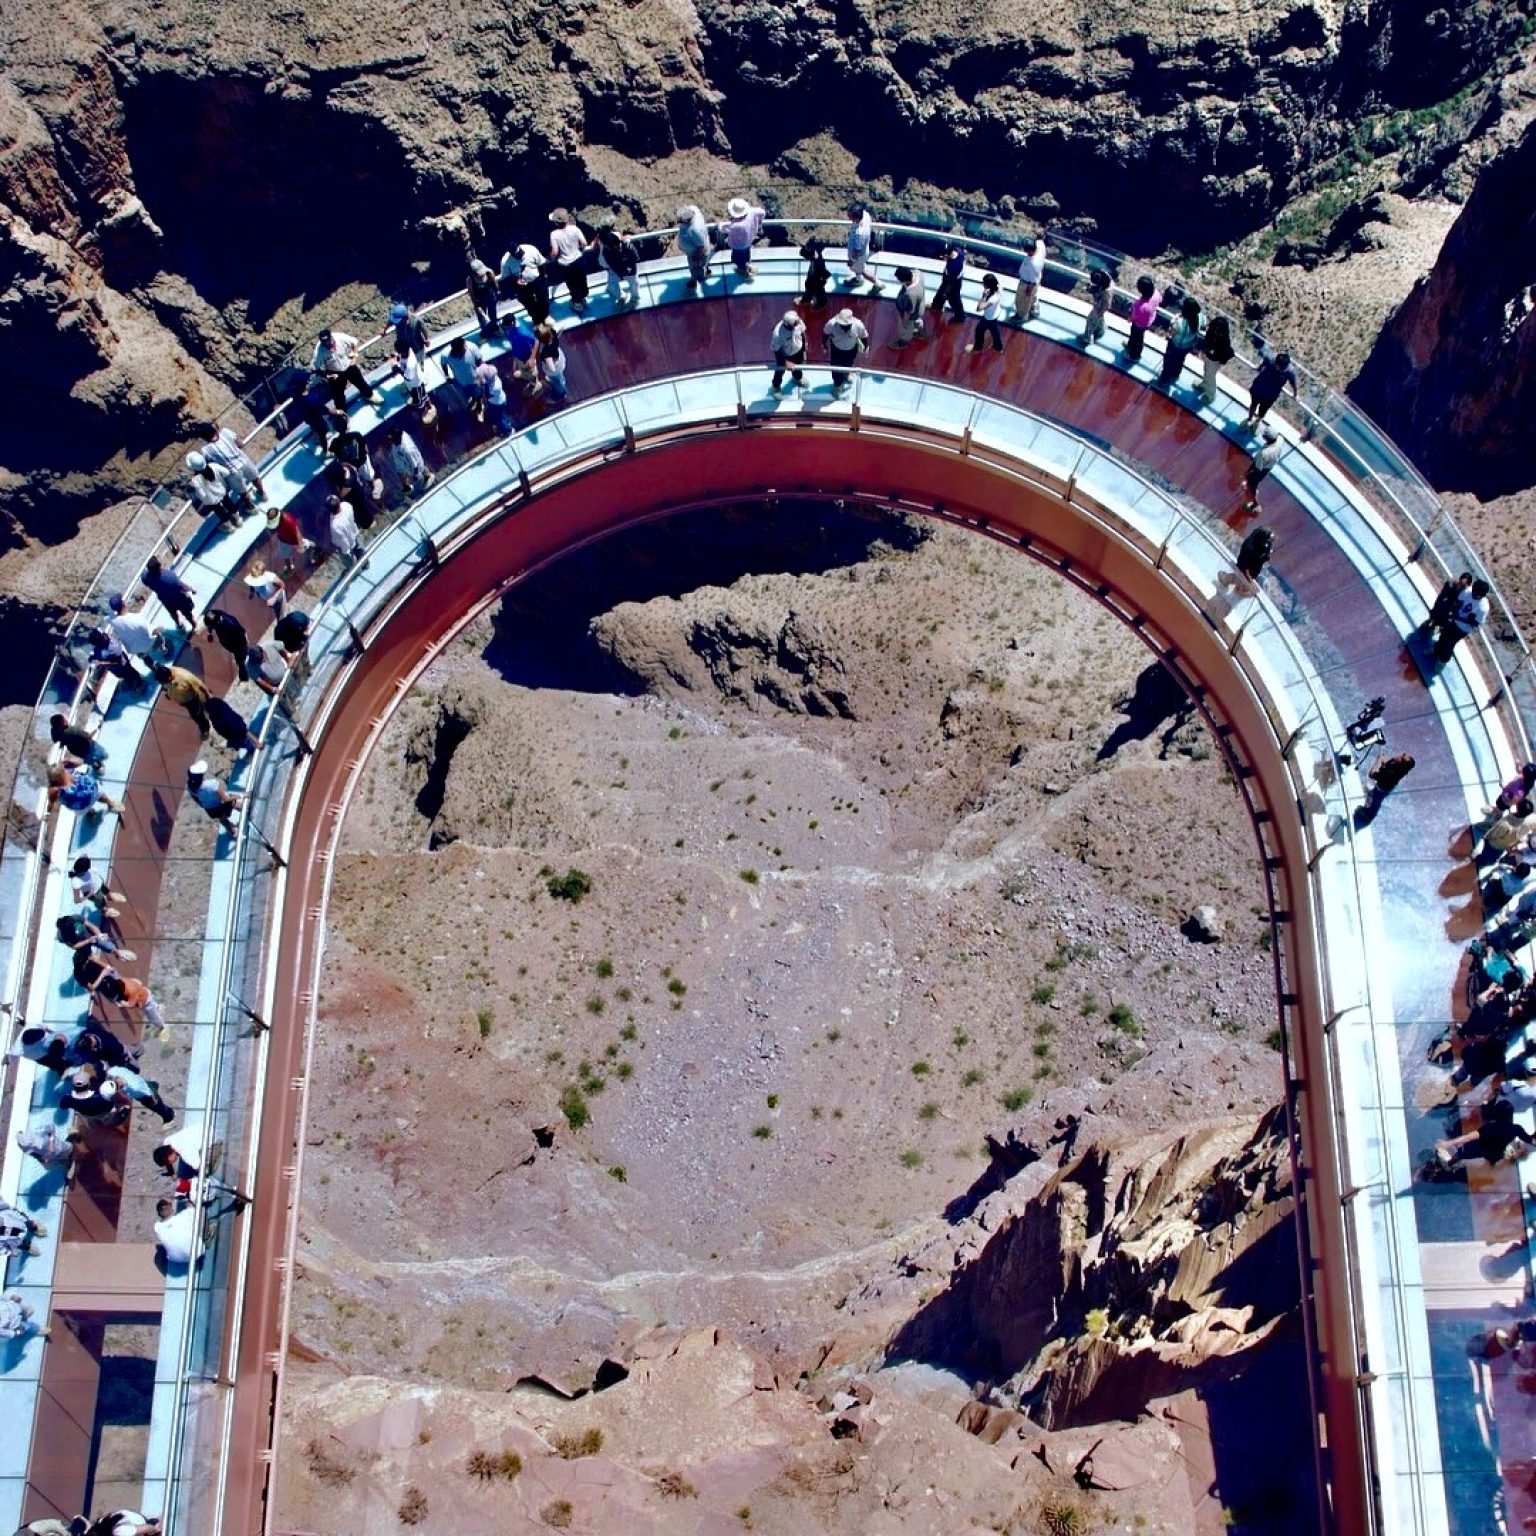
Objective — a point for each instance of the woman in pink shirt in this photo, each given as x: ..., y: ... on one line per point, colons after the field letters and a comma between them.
x: 1143, y: 316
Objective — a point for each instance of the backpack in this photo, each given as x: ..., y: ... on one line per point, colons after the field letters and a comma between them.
x: 71, y: 929
x: 44, y: 1140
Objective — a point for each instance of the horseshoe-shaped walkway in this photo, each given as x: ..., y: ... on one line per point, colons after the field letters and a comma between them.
x: 1063, y: 450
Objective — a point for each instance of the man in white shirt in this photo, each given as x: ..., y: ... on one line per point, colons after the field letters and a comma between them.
x: 568, y: 250
x: 861, y: 240
x: 131, y: 630
x: 209, y: 487
x: 743, y: 224
x: 176, y: 1231
x: 1470, y: 611
x: 844, y: 337
x: 336, y: 358
x: 522, y: 277
x: 1026, y: 296
x: 222, y: 447
x: 345, y: 539
x: 694, y: 242
x: 459, y: 363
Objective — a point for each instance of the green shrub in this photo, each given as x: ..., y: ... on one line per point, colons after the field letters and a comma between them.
x: 571, y: 886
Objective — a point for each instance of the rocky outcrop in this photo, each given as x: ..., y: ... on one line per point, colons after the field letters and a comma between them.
x: 1453, y: 375
x: 1137, y: 1272
x: 751, y: 648
x: 178, y: 194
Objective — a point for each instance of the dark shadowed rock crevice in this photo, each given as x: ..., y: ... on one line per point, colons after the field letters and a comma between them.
x: 1137, y: 1272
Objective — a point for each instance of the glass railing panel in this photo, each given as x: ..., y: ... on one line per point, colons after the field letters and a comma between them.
x: 1114, y: 485
x: 944, y: 409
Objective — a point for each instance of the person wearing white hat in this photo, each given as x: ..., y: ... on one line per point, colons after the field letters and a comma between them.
x: 844, y: 337
x: 268, y: 586
x: 485, y: 295
x: 861, y: 242
x: 694, y: 242
x: 218, y: 804
x: 209, y: 488
x: 568, y: 247
x: 788, y: 344
x: 222, y: 447
x: 744, y: 223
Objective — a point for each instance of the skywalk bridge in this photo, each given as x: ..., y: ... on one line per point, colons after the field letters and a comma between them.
x: 1061, y: 451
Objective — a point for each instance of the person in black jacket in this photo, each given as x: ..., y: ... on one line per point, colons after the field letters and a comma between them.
x: 948, y: 291
x: 230, y: 633
x: 1255, y: 552
x: 818, y: 275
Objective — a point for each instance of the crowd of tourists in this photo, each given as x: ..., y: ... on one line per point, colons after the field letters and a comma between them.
x: 96, y: 1070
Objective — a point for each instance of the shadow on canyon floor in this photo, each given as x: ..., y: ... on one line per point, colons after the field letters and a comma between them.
x: 541, y: 628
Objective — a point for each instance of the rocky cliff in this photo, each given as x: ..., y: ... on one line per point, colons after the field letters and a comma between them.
x: 181, y: 188
x: 1453, y: 375
x: 1139, y: 1271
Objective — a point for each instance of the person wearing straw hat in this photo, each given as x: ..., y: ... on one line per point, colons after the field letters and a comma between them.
x: 744, y: 223
x: 844, y: 337
x: 268, y: 586
x: 568, y: 247
x: 289, y: 535
x: 788, y: 346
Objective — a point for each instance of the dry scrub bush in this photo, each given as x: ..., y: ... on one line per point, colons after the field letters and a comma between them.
x: 413, y: 1507
x: 673, y: 1485
x: 558, y: 1514
x: 325, y: 1468
x: 571, y: 1447
x: 488, y: 1467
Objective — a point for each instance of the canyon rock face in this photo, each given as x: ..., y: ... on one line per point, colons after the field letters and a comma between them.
x: 1139, y: 1271
x: 764, y: 654
x: 1454, y: 372
x: 180, y: 192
